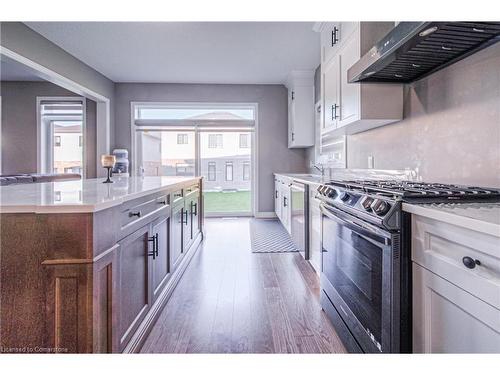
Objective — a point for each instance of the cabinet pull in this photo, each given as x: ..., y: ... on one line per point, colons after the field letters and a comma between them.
x: 470, y: 263
x: 162, y: 202
x: 177, y: 195
x: 334, y: 111
x: 154, y: 239
x: 276, y: 193
x: 132, y: 214
x: 185, y: 222
x: 284, y: 202
x: 335, y: 37
x: 293, y: 95
x: 195, y: 206
x: 156, y: 244
x: 293, y: 136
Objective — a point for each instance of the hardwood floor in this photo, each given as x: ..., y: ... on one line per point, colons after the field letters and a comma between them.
x: 231, y: 300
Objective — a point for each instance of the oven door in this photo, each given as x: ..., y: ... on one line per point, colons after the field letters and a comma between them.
x: 360, y: 278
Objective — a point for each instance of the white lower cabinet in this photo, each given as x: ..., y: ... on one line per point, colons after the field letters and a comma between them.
x: 447, y: 319
x: 277, y: 198
x: 314, y: 230
x: 456, y: 304
x: 285, y: 207
x: 282, y: 202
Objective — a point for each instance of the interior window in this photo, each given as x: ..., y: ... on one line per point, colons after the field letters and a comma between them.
x: 62, y: 132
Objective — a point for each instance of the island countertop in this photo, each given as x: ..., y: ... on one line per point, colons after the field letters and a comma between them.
x: 89, y: 195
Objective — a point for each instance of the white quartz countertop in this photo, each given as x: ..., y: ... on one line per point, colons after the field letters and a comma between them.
x: 89, y: 195
x: 481, y: 217
x: 306, y: 178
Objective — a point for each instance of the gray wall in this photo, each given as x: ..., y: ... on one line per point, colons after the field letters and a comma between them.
x: 274, y: 155
x: 19, y: 125
x: 451, y: 126
x: 19, y: 38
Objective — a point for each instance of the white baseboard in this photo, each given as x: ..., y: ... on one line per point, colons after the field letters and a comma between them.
x: 265, y: 215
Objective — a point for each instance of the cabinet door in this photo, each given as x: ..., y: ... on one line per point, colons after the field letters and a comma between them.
x: 447, y: 319
x: 330, y: 40
x: 330, y: 79
x: 187, y: 227
x: 134, y: 298
x: 315, y: 231
x: 161, y: 264
x: 286, y: 212
x: 195, y: 216
x: 176, y: 236
x: 277, y: 198
x: 291, y: 115
x: 349, y: 93
x: 301, y: 128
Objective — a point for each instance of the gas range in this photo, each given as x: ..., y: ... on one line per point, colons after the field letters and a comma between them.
x: 366, y: 257
x: 379, y: 201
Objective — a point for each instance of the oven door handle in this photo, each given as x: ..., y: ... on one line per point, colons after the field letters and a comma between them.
x: 350, y: 221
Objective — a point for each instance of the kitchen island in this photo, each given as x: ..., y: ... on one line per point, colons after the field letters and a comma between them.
x: 86, y: 267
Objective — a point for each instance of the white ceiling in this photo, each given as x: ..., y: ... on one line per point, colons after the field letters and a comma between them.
x: 189, y: 52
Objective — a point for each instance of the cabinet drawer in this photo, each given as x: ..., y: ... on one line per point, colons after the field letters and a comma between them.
x: 133, y: 211
x: 447, y: 319
x: 440, y: 247
x: 177, y: 197
x: 190, y: 190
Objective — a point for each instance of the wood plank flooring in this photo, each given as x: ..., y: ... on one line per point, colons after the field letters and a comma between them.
x: 231, y: 300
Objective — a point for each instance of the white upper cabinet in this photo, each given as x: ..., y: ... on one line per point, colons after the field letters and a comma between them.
x: 330, y: 74
x: 354, y: 107
x: 300, y: 86
x: 333, y: 35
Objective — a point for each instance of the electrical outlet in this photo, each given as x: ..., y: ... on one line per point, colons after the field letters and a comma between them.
x: 370, y: 162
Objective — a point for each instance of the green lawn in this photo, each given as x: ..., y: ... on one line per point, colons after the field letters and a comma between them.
x: 239, y: 201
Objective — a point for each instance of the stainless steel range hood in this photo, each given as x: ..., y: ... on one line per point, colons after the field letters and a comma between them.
x: 413, y: 50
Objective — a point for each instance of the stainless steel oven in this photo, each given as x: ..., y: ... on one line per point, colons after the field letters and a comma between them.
x: 361, y: 281
x: 366, y: 267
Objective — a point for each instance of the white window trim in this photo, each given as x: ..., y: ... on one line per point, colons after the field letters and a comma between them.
x: 43, y: 158
x: 254, y: 143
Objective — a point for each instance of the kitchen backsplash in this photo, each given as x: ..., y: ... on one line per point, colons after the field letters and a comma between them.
x: 451, y: 127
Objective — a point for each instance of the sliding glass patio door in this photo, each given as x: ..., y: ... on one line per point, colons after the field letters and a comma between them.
x: 226, y: 165
x: 215, y: 141
x: 167, y: 152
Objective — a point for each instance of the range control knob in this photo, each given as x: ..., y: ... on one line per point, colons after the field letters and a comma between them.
x: 380, y: 207
x: 367, y: 203
x: 331, y: 193
x: 344, y: 196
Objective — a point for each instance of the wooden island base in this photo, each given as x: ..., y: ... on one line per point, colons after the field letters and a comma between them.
x: 94, y: 282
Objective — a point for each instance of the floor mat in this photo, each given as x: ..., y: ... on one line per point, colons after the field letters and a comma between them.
x: 269, y: 236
